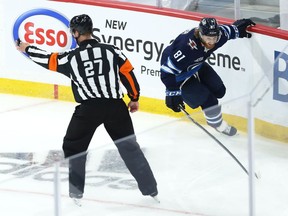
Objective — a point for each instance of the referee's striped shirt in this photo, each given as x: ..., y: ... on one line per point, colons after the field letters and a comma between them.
x: 95, y: 70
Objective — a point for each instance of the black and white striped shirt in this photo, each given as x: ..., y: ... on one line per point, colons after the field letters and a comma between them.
x: 95, y: 70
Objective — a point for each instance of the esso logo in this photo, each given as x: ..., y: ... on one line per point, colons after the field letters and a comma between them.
x: 40, y: 36
x: 45, y: 29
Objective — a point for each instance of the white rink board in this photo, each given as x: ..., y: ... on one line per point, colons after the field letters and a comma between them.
x: 143, y: 43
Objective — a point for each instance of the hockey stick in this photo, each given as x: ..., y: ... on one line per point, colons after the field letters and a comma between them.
x: 215, y: 139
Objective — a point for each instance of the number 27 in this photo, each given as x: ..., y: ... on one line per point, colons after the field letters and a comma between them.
x: 89, y: 67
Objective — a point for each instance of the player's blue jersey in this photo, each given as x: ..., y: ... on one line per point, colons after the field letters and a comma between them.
x: 185, y: 55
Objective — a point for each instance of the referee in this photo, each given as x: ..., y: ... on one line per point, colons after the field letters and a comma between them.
x: 96, y: 70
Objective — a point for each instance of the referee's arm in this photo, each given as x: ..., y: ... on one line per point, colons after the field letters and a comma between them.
x: 129, y: 80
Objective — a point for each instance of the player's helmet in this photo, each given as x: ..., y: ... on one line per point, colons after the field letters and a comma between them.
x: 209, y: 27
x: 82, y: 23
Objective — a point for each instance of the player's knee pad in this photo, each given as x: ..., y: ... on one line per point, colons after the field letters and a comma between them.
x: 194, y: 93
x: 211, y: 101
x: 220, y: 92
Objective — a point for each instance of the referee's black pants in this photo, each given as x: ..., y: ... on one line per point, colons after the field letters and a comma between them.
x: 114, y: 114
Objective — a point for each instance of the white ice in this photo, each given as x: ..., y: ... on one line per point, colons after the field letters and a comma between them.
x: 195, y: 175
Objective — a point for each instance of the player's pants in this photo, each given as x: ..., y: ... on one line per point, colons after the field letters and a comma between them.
x: 117, y: 122
x: 204, y: 90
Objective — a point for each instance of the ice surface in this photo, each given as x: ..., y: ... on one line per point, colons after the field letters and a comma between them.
x: 195, y: 175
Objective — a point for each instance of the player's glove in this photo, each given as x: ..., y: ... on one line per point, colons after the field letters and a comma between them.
x: 173, y: 100
x: 242, y: 25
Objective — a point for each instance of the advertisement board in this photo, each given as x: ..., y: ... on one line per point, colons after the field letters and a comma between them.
x: 257, y: 65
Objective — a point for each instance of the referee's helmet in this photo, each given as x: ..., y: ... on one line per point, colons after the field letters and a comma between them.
x: 82, y: 23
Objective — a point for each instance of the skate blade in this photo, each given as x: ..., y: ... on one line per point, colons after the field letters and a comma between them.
x: 156, y: 199
x: 77, y: 202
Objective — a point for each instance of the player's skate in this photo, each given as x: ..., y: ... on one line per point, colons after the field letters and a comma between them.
x: 76, y: 198
x: 226, y: 129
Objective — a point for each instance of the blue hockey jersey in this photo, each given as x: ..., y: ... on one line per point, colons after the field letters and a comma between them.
x: 185, y: 55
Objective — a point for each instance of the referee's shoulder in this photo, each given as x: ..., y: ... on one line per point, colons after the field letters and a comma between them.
x: 106, y: 45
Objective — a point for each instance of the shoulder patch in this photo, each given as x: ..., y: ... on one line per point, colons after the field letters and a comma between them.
x: 192, y: 44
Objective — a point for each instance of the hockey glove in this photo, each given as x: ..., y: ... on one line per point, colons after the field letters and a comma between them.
x: 173, y: 100
x: 242, y: 25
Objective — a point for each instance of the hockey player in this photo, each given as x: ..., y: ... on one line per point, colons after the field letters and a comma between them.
x: 189, y: 78
x: 95, y: 70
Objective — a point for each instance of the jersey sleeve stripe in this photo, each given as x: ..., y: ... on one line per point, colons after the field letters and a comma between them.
x: 125, y: 69
x: 53, y: 62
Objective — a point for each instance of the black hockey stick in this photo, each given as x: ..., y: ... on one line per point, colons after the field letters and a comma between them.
x: 214, y: 138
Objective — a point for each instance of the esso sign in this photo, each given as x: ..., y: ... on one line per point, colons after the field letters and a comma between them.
x: 42, y: 36
x: 45, y: 29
